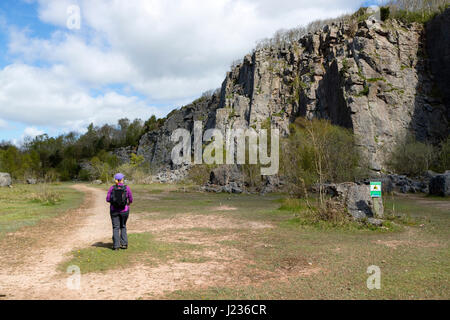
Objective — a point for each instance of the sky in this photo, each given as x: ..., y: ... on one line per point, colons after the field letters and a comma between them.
x: 61, y: 69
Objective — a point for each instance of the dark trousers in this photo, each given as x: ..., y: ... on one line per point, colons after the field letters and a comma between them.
x: 119, y: 224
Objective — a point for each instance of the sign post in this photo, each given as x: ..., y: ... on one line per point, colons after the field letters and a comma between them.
x: 377, y: 201
x: 375, y: 189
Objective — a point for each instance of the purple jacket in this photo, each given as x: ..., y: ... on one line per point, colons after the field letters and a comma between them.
x: 129, y: 196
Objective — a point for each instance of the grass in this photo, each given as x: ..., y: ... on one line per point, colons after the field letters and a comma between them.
x: 372, y: 80
x: 364, y: 91
x: 418, y: 268
x: 144, y: 248
x: 411, y: 251
x: 26, y: 205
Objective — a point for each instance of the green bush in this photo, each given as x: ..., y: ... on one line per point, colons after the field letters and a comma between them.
x: 132, y: 172
x: 318, y: 152
x: 330, y: 213
x: 199, y: 174
x: 443, y: 158
x: 384, y: 13
x: 84, y: 175
x: 46, y: 196
x: 420, y: 11
x: 411, y: 157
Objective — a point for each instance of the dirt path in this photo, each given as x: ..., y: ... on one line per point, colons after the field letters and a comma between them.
x: 37, y: 275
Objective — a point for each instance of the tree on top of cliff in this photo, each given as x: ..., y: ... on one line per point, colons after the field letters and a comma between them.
x: 405, y: 10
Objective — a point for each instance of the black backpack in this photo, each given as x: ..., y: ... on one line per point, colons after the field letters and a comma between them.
x: 119, y: 197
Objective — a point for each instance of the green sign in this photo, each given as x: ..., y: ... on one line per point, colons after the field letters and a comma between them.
x: 375, y: 189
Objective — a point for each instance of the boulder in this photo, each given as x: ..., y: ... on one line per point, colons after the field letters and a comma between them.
x: 271, y: 184
x: 5, y: 179
x: 356, y: 198
x: 403, y: 184
x: 375, y: 222
x: 31, y: 181
x: 232, y: 187
x: 405, y: 188
x: 97, y: 182
x: 440, y: 184
x: 212, y: 188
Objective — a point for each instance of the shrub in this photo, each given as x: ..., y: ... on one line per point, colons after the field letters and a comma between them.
x: 51, y: 176
x: 101, y: 170
x: 419, y: 11
x: 252, y: 175
x: 134, y: 173
x: 318, y: 152
x: 443, y: 158
x: 331, y: 212
x: 384, y: 13
x: 411, y: 157
x: 199, y: 174
x: 84, y: 175
x: 46, y: 196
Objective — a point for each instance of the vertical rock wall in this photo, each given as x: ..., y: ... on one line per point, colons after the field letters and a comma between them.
x: 381, y: 80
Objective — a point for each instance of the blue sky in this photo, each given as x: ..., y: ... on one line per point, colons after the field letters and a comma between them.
x: 129, y: 58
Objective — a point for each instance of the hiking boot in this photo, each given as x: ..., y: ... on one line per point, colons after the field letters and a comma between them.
x: 115, y: 248
x: 124, y: 247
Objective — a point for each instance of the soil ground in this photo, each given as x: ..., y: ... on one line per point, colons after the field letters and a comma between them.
x: 192, y: 245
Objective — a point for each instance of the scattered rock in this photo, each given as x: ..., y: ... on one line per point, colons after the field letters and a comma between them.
x: 5, y: 179
x: 375, y: 222
x: 405, y: 188
x: 225, y: 174
x: 403, y: 184
x: 440, y: 184
x: 271, y: 184
x: 232, y: 187
x: 170, y: 175
x: 31, y: 181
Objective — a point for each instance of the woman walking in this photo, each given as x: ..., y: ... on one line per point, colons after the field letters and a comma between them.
x: 120, y: 198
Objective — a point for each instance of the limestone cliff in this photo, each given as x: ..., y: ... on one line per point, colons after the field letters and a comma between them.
x: 156, y: 146
x: 372, y: 77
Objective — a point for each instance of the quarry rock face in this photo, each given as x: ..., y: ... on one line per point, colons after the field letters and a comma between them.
x: 123, y: 154
x: 156, y: 146
x: 376, y: 78
x: 438, y: 49
x: 5, y: 179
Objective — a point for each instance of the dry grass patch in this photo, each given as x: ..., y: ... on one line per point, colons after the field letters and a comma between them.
x: 224, y: 208
x: 190, y: 221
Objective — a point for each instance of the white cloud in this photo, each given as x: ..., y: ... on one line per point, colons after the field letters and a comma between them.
x: 32, y: 132
x: 29, y: 132
x: 55, y: 12
x: 170, y: 49
x: 38, y: 96
x: 162, y: 50
x: 3, y: 124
